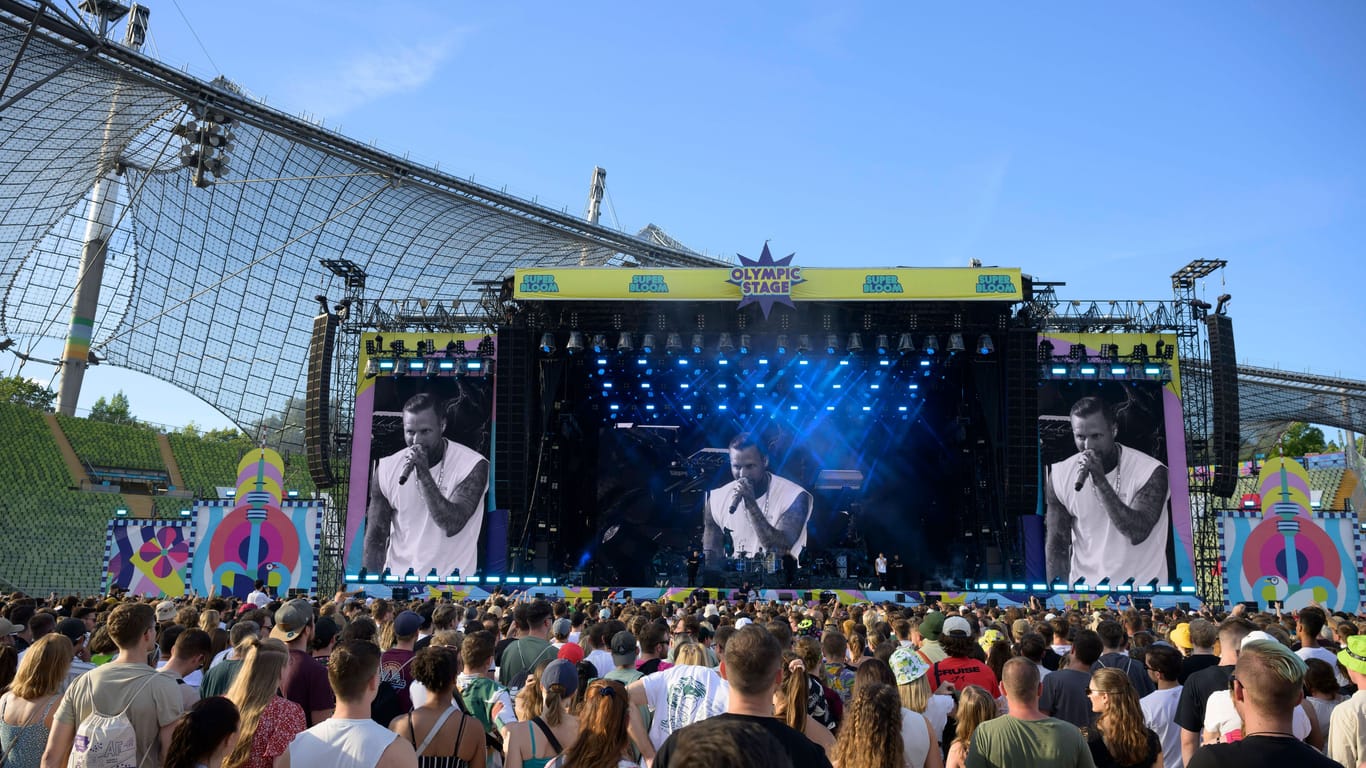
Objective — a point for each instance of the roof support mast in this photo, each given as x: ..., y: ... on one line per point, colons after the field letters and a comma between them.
x: 596, y: 189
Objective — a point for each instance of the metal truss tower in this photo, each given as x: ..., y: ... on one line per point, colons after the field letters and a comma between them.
x: 1196, y: 398
x: 345, y: 362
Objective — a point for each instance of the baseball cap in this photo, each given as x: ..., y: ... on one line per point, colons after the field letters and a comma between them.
x: 324, y: 629
x: 1020, y: 627
x: 561, y: 672
x: 165, y: 610
x: 291, y: 619
x: 562, y: 627
x: 743, y: 621
x: 1181, y: 635
x: 407, y: 623
x: 74, y: 629
x: 907, y: 665
x: 1353, y: 656
x: 932, y: 626
x: 1256, y: 634
x: 710, y: 610
x: 8, y: 627
x: 957, y: 626
x: 573, y: 652
x: 605, y: 613
x: 624, y: 649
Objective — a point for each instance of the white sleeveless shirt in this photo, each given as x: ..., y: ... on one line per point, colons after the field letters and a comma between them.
x: 415, y: 539
x: 341, y: 744
x: 780, y: 495
x: 1099, y: 549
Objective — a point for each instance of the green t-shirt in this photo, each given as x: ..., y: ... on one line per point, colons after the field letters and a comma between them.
x: 1009, y: 741
x: 624, y: 676
x: 219, y: 679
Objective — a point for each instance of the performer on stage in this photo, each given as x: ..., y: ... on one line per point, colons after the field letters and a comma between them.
x: 880, y: 568
x: 694, y: 562
x: 1107, y: 505
x: 761, y: 511
x: 427, y: 500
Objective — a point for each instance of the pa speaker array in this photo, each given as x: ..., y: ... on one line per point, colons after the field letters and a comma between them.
x: 318, y: 395
x: 1223, y: 371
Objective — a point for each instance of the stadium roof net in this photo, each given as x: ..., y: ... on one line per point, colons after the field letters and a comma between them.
x: 211, y: 287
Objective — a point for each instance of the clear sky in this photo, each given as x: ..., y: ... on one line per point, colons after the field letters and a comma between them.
x: 1099, y: 145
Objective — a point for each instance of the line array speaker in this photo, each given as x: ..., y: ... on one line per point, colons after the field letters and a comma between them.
x: 317, y: 400
x: 1225, y: 434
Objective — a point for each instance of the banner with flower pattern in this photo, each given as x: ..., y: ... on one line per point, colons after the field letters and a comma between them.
x: 148, y: 558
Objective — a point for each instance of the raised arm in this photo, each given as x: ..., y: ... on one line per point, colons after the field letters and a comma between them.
x: 379, y: 517
x: 1058, y: 534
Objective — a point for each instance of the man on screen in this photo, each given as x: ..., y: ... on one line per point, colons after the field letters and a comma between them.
x: 762, y: 512
x: 427, y: 500
x: 1107, y: 505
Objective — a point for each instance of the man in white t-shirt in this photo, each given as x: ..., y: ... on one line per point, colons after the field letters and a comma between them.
x: 426, y: 501
x: 1223, y: 723
x: 1106, y: 505
x: 679, y: 696
x: 1159, y: 707
x: 762, y: 512
x: 1309, y: 627
x: 258, y: 596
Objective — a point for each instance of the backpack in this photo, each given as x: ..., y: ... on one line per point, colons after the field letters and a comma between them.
x: 109, y: 741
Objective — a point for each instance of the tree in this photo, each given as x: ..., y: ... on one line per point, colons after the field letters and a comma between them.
x: 22, y: 391
x: 1302, y: 439
x: 115, y: 410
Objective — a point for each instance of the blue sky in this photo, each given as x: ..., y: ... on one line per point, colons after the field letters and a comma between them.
x: 1098, y: 145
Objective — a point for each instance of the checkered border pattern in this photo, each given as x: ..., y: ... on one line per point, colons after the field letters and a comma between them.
x: 123, y: 522
x: 1356, y: 549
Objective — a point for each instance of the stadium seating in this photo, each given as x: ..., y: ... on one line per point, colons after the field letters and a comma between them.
x: 116, y: 446
x: 54, y: 536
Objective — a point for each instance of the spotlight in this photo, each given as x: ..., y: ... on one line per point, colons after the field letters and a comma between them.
x: 647, y: 344
x: 803, y: 344
x: 624, y: 343
x: 599, y: 343
x: 882, y: 344
x: 575, y: 342
x: 673, y: 344
x: 697, y: 343
x: 984, y: 345
x: 486, y: 346
x: 1140, y: 353
x: 120, y: 512
x: 931, y: 344
x: 1222, y: 306
x: 782, y: 344
x: 905, y: 344
x: 855, y: 345
x: 832, y: 343
x: 955, y: 343
x: 744, y: 343
x: 1045, y: 351
x: 725, y: 346
x: 1077, y: 353
x: 547, y: 343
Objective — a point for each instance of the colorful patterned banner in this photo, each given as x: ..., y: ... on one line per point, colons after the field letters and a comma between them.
x: 148, y: 558
x: 1287, y: 553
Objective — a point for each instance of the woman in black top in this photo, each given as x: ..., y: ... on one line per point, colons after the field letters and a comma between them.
x: 1120, y: 739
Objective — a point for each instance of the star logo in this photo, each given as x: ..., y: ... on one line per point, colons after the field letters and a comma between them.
x: 766, y: 281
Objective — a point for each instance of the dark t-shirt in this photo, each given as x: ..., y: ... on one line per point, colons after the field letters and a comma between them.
x: 219, y: 679
x: 1101, y: 753
x: 1190, y: 708
x: 396, y: 670
x: 1192, y: 664
x: 306, y: 685
x: 1051, y: 660
x: 1260, y: 752
x: 1064, y: 697
x: 1138, y: 674
x: 803, y: 751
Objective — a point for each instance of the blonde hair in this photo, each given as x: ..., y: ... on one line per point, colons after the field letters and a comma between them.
x: 915, y: 695
x: 43, y: 668
x: 386, y: 636
x: 208, y: 621
x: 975, y: 706
x: 256, y: 684
x: 690, y: 653
x: 530, y: 701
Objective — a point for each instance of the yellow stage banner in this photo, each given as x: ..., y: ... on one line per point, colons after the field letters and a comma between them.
x: 776, y: 281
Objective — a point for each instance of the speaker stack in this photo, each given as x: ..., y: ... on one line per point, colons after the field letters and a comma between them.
x: 1223, y: 371
x: 317, y: 413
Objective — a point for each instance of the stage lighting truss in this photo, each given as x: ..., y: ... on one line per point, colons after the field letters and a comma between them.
x: 454, y: 360
x: 1098, y: 368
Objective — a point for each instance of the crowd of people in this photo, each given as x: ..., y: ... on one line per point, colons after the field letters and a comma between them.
x: 518, y: 681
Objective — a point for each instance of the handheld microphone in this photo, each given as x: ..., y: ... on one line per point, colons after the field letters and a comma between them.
x: 1081, y: 480
x: 734, y: 503
x: 408, y: 470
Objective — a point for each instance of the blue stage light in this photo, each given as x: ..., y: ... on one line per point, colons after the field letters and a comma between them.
x: 1036, y: 587
x: 722, y: 407
x: 901, y: 408
x: 602, y: 371
x: 515, y: 580
x: 792, y: 407
x: 875, y: 386
x: 829, y: 407
x: 723, y: 361
x: 763, y: 361
x: 641, y: 361
x: 614, y: 407
x: 844, y: 362
x: 1151, y: 370
x: 1119, y: 370
x: 884, y: 362
x: 473, y: 365
x: 417, y: 365
x: 913, y: 387
x: 723, y: 386
x: 1016, y: 586
x: 682, y: 361
x: 867, y: 407
x: 998, y: 586
x: 799, y: 386
x: 803, y: 361
x: 760, y: 385
x: 1166, y: 589
x: 602, y: 361
x: 649, y: 407
x: 685, y: 385
x: 607, y: 385
x: 492, y: 579
x: 1059, y: 370
x: 644, y: 385
x: 924, y: 363
x: 445, y: 365
x: 687, y: 407
x: 758, y: 406
x: 1088, y: 370
x: 387, y: 365
x: 837, y: 386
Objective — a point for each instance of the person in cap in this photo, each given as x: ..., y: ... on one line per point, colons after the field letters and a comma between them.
x: 1267, y: 687
x: 350, y: 739
x: 926, y: 636
x: 559, y: 631
x: 1025, y: 735
x: 913, y: 686
x: 8, y: 631
x: 305, y: 680
x: 535, y: 742
x: 75, y: 630
x: 165, y: 613
x: 395, y: 666
x: 960, y: 668
x: 624, y: 653
x: 1347, y: 734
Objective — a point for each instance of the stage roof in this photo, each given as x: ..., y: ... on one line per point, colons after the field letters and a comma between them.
x: 213, y: 288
